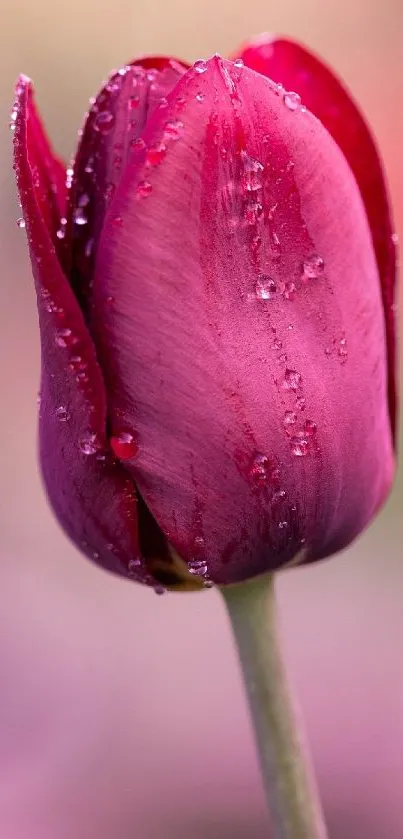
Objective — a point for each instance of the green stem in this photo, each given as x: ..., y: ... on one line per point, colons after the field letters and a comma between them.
x: 291, y: 792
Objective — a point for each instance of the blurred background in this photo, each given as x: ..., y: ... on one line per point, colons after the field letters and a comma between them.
x: 122, y: 714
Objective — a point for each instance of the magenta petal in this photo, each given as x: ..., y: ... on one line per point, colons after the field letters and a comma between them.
x: 112, y: 128
x: 93, y: 498
x: 323, y: 93
x: 238, y: 318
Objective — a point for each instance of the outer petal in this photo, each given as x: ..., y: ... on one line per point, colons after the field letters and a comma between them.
x: 48, y: 173
x: 112, y: 127
x: 220, y: 376
x: 93, y: 498
x: 322, y: 92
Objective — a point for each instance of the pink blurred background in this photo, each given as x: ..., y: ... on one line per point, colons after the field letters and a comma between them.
x: 121, y: 713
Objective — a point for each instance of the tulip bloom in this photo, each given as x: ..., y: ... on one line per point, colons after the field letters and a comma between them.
x: 216, y: 304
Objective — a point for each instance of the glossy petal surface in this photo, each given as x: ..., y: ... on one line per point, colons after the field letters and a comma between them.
x: 293, y: 66
x: 237, y: 316
x: 112, y: 129
x: 92, y: 497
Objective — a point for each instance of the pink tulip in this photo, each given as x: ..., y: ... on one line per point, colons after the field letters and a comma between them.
x: 216, y: 304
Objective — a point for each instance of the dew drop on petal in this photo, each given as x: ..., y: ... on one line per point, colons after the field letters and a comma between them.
x: 292, y: 100
x: 290, y: 418
x: 313, y: 268
x: 20, y: 223
x: 88, y: 443
x: 160, y: 589
x: 199, y: 97
x: 300, y: 403
x: 62, y: 413
x: 262, y: 470
x: 104, y: 122
x: 65, y: 338
x: 200, y: 66
x: 265, y: 288
x: 156, y: 154
x: 124, y: 446
x: 173, y: 129
x: 310, y: 428
x: 292, y: 379
x: 79, y: 217
x: 299, y: 446
x: 143, y: 189
x: 289, y: 290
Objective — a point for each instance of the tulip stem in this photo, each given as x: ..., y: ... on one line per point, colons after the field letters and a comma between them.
x: 291, y: 793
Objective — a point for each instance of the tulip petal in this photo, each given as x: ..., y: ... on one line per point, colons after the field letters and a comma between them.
x: 293, y: 66
x: 47, y: 172
x: 261, y: 420
x: 112, y: 127
x: 93, y: 498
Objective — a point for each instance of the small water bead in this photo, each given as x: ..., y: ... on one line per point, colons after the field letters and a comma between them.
x: 252, y: 178
x: 198, y: 567
x: 300, y: 403
x: 292, y: 100
x: 156, y: 154
x: 200, y: 66
x: 283, y: 524
x: 124, y: 446
x: 104, y: 122
x: 143, y: 189
x: 289, y: 290
x: 292, y: 379
x: 199, y: 97
x: 65, y: 338
x: 278, y: 496
x: 261, y: 470
x: 310, y: 428
x: 266, y: 287
x: 133, y: 565
x: 299, y: 446
x: 343, y: 351
x: 89, y: 167
x: 290, y: 417
x: 80, y: 217
x: 62, y: 413
x: 173, y: 129
x: 160, y: 590
x: 313, y: 268
x: 238, y: 63
x: 88, y: 443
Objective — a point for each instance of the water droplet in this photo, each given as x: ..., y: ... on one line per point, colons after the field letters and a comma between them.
x: 283, y: 524
x: 200, y: 66
x: 262, y: 470
x: 173, y: 129
x: 104, y: 122
x: 124, y: 446
x: 300, y: 403
x: 198, y: 567
x: 290, y: 418
x: 160, y: 589
x: 79, y: 217
x: 265, y: 288
x: 299, y: 446
x: 143, y: 189
x: 310, y: 428
x: 289, y: 290
x: 89, y: 168
x: 65, y: 338
x: 20, y: 223
x: 313, y: 268
x: 239, y: 63
x: 292, y: 100
x: 133, y: 565
x: 88, y: 443
x: 62, y: 413
x: 292, y: 379
x: 343, y: 351
x: 278, y: 496
x: 199, y: 97
x: 156, y: 154
x: 252, y: 177
x: 61, y: 233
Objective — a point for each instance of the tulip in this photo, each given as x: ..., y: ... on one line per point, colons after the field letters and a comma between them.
x: 215, y: 280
